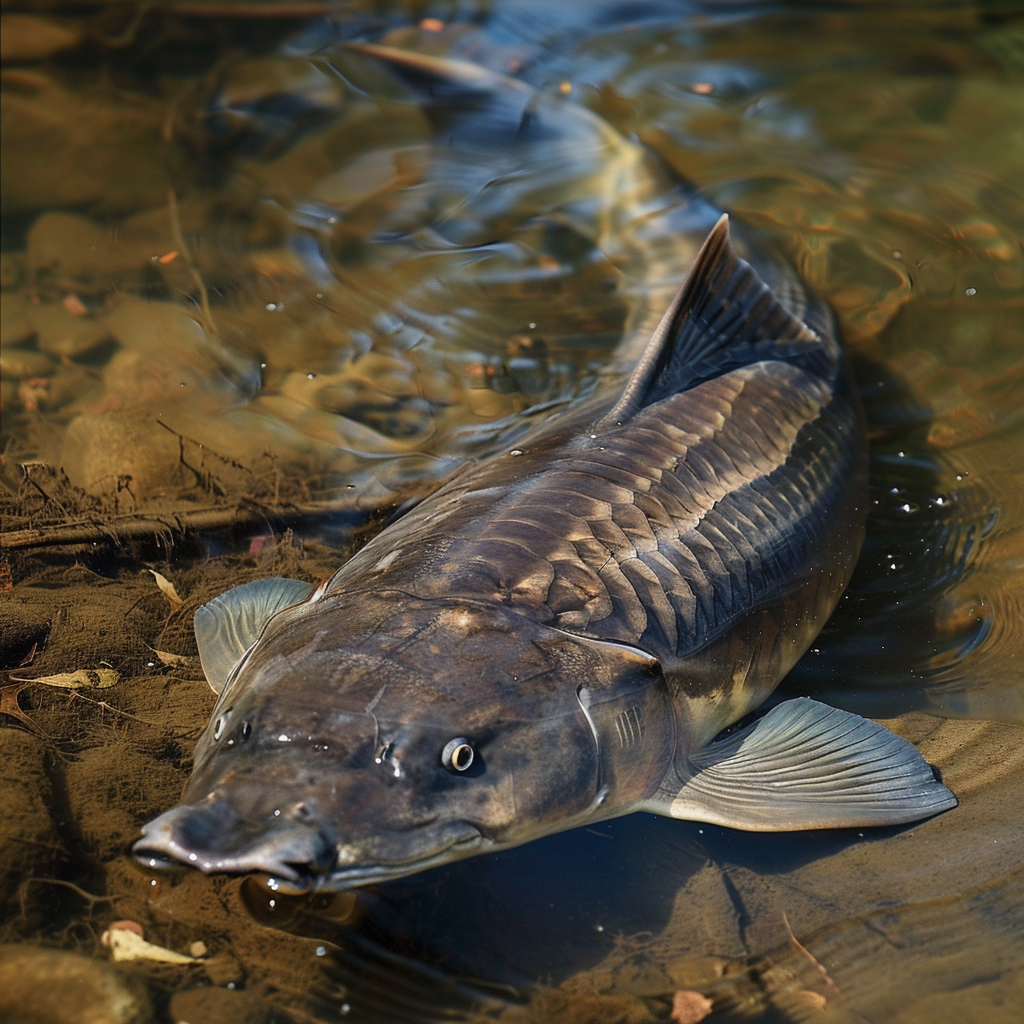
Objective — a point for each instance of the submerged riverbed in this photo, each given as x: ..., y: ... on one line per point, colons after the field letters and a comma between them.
x: 259, y: 297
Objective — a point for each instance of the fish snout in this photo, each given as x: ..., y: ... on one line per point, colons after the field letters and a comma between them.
x: 287, y: 841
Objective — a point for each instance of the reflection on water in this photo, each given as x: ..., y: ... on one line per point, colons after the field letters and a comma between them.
x: 246, y: 271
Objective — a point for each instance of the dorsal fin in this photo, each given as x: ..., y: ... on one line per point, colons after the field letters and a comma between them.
x: 722, y: 309
x: 230, y: 624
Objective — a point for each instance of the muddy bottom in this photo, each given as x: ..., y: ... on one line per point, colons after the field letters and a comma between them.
x: 636, y: 920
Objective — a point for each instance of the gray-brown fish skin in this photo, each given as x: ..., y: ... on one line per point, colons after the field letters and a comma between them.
x: 646, y: 566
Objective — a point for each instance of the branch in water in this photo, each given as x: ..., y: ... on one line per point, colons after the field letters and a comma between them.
x: 142, y: 526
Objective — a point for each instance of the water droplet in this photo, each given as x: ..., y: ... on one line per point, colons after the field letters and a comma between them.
x: 277, y: 813
x: 896, y: 254
x: 271, y: 306
x: 272, y: 903
x: 283, y: 738
x: 321, y: 951
x: 970, y: 291
x: 273, y: 884
x: 516, y: 451
x: 532, y: 327
x: 193, y: 857
x: 310, y: 376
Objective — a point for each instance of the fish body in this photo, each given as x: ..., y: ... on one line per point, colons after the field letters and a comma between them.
x: 558, y: 635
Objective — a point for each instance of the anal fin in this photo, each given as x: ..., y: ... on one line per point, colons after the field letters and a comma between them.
x: 806, y: 765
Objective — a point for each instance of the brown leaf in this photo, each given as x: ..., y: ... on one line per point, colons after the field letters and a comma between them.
x: 167, y: 589
x: 166, y: 658
x: 84, y: 678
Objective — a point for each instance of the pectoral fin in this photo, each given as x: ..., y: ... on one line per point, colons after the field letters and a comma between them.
x: 230, y: 624
x: 806, y: 765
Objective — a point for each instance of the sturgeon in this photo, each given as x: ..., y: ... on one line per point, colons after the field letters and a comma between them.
x: 560, y: 633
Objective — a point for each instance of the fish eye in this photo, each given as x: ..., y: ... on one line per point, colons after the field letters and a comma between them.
x: 458, y: 754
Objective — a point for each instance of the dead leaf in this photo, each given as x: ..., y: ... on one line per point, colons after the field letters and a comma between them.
x: 126, y: 944
x: 166, y: 658
x: 167, y: 589
x: 689, y: 1007
x: 84, y: 678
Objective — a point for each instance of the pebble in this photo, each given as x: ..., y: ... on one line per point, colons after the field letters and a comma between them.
x: 62, y: 333
x: 100, y: 450
x: 49, y: 986
x: 19, y: 363
x: 15, y: 319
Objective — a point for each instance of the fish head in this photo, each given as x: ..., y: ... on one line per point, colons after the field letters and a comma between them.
x: 366, y: 739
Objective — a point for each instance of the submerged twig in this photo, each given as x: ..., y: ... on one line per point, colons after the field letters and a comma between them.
x: 186, y: 252
x: 141, y: 526
x: 829, y: 983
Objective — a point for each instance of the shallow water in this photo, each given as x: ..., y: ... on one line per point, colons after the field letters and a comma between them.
x: 250, y: 277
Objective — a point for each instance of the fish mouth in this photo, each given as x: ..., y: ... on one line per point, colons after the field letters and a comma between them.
x: 466, y: 845
x: 297, y: 857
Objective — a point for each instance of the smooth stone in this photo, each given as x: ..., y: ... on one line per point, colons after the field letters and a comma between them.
x: 49, y: 986
x: 76, y: 250
x: 15, y: 319
x: 63, y: 334
x: 18, y: 363
x: 100, y: 452
x: 48, y: 151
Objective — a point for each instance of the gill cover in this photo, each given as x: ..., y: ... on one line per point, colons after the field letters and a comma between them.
x: 633, y: 722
